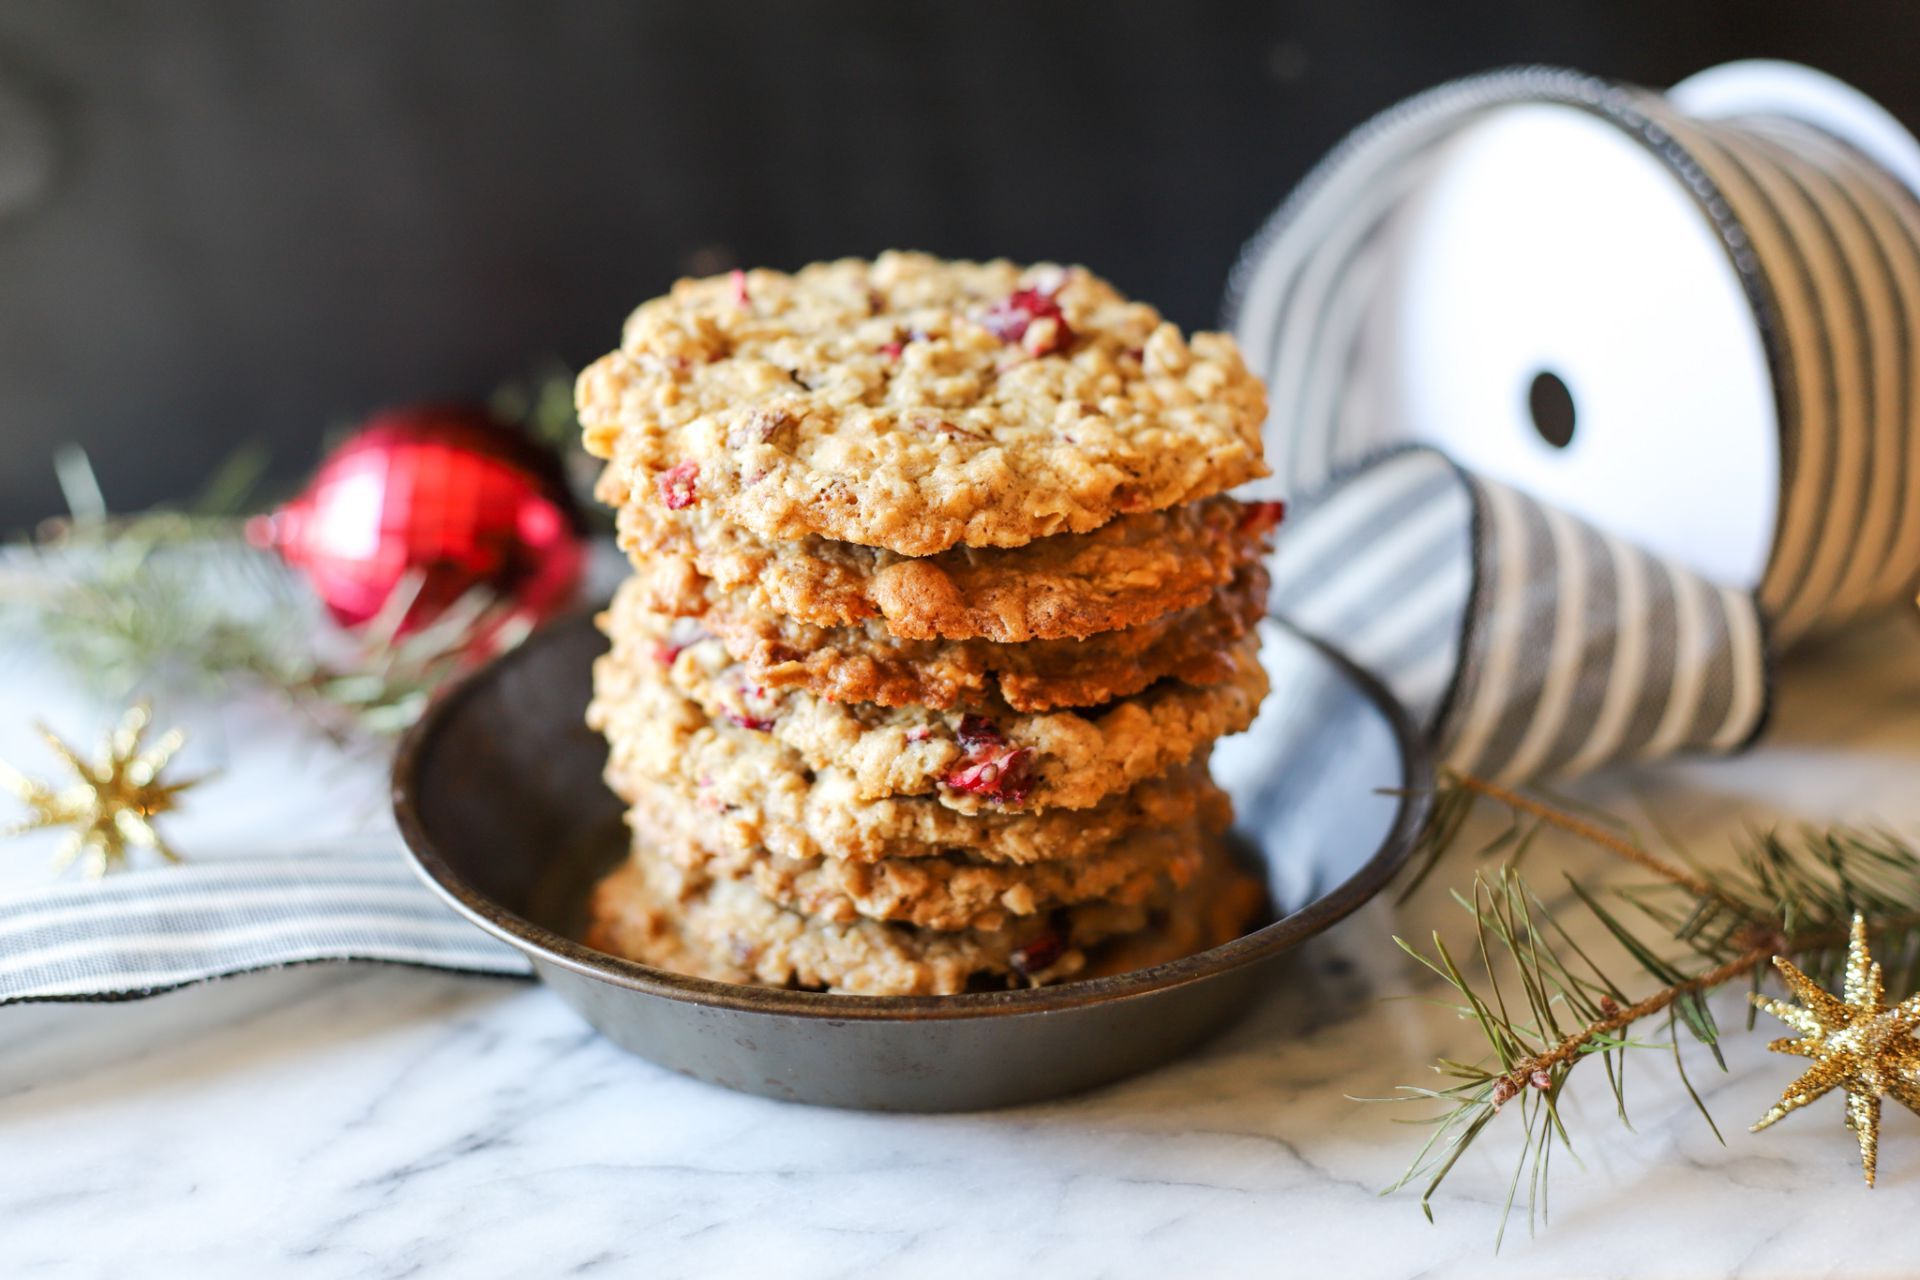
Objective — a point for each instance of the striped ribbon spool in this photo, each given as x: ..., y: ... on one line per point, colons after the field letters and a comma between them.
x: 1533, y: 628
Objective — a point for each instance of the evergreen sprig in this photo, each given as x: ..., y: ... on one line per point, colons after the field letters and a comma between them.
x: 1546, y: 1004
x: 178, y: 602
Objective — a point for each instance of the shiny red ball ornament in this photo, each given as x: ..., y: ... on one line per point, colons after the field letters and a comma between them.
x: 447, y: 492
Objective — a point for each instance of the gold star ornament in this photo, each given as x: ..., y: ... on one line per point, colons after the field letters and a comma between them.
x: 112, y: 806
x: 1857, y: 1044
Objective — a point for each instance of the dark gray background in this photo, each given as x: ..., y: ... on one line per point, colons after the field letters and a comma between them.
x: 222, y: 222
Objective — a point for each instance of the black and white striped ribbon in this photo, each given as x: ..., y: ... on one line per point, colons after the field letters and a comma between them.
x: 1530, y: 641
x: 147, y: 932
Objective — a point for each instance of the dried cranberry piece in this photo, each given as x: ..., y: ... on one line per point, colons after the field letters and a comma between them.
x: 1003, y: 775
x: 750, y: 722
x: 1038, y: 955
x: 1261, y: 518
x: 664, y: 653
x: 739, y: 280
x: 919, y: 734
x: 977, y: 733
x: 1009, y: 319
x: 677, y: 485
x: 994, y: 768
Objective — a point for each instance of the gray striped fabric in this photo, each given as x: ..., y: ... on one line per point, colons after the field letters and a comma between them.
x: 1528, y: 641
x: 1879, y: 226
x: 145, y: 932
x: 1399, y: 530
x: 1584, y: 650
x: 1837, y: 242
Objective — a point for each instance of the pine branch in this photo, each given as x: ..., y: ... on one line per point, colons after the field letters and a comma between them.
x: 1787, y: 894
x: 1593, y: 834
x: 177, y: 602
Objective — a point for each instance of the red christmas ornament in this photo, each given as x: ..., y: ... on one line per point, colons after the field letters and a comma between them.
x: 445, y: 491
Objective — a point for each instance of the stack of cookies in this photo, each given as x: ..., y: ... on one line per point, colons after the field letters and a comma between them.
x: 939, y: 605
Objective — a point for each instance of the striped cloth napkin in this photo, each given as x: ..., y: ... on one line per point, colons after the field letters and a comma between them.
x: 146, y: 932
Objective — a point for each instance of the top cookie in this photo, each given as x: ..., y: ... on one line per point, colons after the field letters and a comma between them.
x: 916, y: 405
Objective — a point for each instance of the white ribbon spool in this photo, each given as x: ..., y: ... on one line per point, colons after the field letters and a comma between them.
x: 1663, y: 352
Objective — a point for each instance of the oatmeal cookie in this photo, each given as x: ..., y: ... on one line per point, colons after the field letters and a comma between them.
x: 916, y: 405
x: 945, y: 891
x: 1225, y: 902
x: 746, y: 792
x: 973, y: 761
x: 722, y: 929
x: 1128, y: 572
x: 866, y: 663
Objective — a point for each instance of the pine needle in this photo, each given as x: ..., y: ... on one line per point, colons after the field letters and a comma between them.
x: 177, y: 602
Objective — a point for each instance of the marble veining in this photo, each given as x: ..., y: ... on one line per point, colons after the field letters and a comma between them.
x: 371, y: 1122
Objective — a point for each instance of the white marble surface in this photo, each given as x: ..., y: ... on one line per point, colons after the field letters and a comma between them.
x: 366, y: 1122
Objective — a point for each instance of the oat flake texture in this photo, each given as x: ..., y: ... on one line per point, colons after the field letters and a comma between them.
x: 889, y: 404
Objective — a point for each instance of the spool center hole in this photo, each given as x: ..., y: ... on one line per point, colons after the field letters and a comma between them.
x: 1550, y: 404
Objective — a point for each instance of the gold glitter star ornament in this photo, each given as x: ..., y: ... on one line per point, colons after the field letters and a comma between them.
x: 1857, y: 1044
x: 112, y: 806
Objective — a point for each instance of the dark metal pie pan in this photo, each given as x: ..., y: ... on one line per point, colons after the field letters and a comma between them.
x: 499, y: 797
